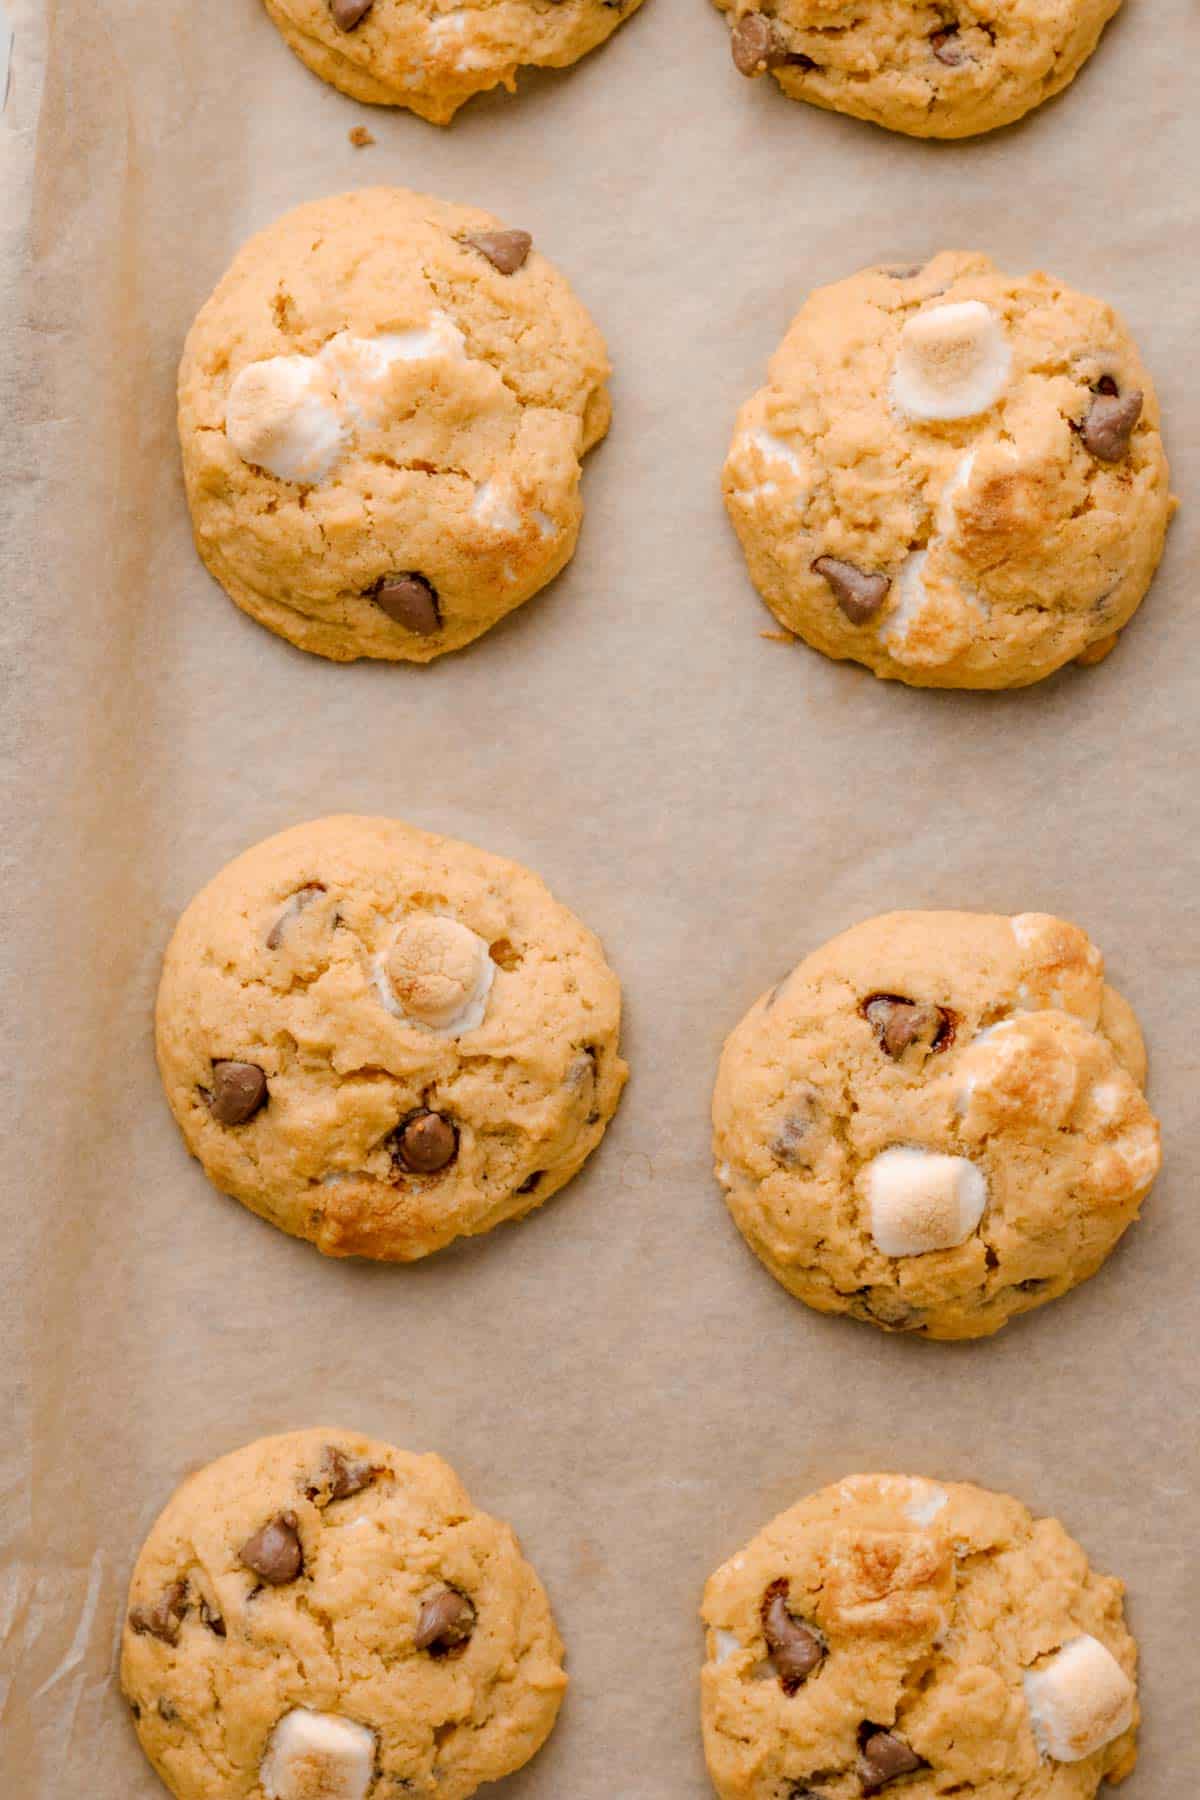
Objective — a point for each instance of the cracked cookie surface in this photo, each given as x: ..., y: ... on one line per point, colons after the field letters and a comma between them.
x: 936, y: 1121
x: 381, y: 1040
x: 939, y: 1613
x: 251, y: 1674
x: 952, y: 475
x: 383, y: 409
x: 432, y: 57
x: 931, y: 70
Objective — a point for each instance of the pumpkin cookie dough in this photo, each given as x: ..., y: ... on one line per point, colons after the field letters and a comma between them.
x: 383, y: 409
x: 323, y: 1617
x: 934, y: 68
x: 937, y: 1121
x: 433, y: 57
x: 953, y: 475
x: 382, y: 1040
x: 915, y: 1638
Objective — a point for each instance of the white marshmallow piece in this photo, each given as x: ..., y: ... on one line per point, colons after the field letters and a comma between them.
x: 920, y: 1200
x: 493, y: 507
x: 727, y: 1645
x: 436, y: 973
x: 282, y: 416
x: 1078, y: 1701
x: 318, y: 1756
x: 953, y: 362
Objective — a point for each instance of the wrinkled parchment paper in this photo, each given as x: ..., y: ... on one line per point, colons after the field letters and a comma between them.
x: 617, y: 1375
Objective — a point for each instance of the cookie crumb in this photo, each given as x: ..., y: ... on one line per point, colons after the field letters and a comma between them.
x: 778, y: 637
x: 360, y: 137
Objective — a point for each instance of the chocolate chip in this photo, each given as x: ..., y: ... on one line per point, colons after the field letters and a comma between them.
x: 900, y: 1024
x: 859, y: 594
x: 757, y: 45
x: 505, y: 250
x: 794, y: 1143
x: 445, y: 1623
x: 163, y: 1619
x: 300, y: 899
x: 213, y: 1620
x: 346, y: 1475
x: 905, y: 272
x: 238, y: 1090
x: 531, y: 1181
x: 275, y: 1552
x: 167, y: 1712
x: 1109, y: 424
x: 424, y: 1143
x: 349, y: 13
x: 948, y: 48
x: 882, y: 1757
x: 793, y: 1647
x: 409, y: 600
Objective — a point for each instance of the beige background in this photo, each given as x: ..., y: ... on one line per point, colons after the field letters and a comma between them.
x: 617, y: 1375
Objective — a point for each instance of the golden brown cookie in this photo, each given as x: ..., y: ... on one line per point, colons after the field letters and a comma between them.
x: 915, y: 1638
x: 382, y: 1040
x: 953, y: 475
x: 937, y: 1121
x: 383, y: 410
x: 321, y: 1616
x: 934, y: 68
x: 433, y: 57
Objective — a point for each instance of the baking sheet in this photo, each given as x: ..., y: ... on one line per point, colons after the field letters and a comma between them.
x: 616, y: 1375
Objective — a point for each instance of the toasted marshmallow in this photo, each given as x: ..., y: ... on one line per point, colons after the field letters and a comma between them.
x: 953, y: 362
x: 360, y: 367
x: 1078, y: 1700
x: 920, y: 1200
x: 436, y: 973
x: 318, y: 1756
x: 282, y: 415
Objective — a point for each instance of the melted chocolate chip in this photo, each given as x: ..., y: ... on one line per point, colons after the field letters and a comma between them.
x: 164, y: 1618
x: 239, y: 1090
x: 757, y: 45
x: 213, y: 1620
x: 793, y: 1648
x: 349, y: 13
x: 300, y: 899
x: 949, y: 48
x: 167, y: 1712
x: 409, y: 600
x: 1109, y: 424
x: 505, y: 250
x: 275, y: 1552
x: 424, y: 1143
x: 346, y: 1475
x: 882, y: 1757
x: 445, y: 1623
x: 901, y: 1024
x: 859, y: 594
x: 531, y: 1181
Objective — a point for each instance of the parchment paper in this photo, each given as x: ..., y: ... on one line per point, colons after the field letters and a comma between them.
x: 617, y: 1375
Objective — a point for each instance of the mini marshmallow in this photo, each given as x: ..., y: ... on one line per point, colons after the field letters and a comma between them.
x: 953, y: 362
x: 318, y: 1756
x: 927, y: 1502
x: 771, y: 448
x: 727, y: 1645
x: 909, y: 586
x: 282, y: 415
x: 920, y: 1200
x: 436, y: 973
x: 493, y: 507
x: 944, y: 519
x: 293, y: 415
x: 1079, y: 1700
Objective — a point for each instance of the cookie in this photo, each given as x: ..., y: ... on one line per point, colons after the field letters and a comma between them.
x: 915, y: 1638
x: 932, y: 70
x: 937, y: 1121
x: 432, y: 58
x: 952, y: 475
x: 382, y: 411
x: 320, y: 1616
x: 382, y: 1040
